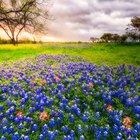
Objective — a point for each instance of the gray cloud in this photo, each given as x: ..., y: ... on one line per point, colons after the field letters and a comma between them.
x: 81, y: 19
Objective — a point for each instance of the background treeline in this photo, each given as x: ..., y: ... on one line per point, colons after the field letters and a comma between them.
x: 132, y: 34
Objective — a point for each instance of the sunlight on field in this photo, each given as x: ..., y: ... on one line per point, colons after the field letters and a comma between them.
x: 20, y: 46
x: 100, y: 53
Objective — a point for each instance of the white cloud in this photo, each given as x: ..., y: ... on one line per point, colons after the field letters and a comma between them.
x: 81, y: 19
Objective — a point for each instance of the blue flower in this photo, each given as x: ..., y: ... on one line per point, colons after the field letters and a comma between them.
x: 4, y: 130
x: 4, y: 122
x: 3, y: 138
x: 15, y: 136
x: 45, y: 128
x: 34, y: 127
x: 82, y: 137
x: 1, y: 107
x: 52, y: 123
x: 84, y: 118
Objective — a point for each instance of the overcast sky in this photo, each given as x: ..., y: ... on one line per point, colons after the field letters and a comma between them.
x: 78, y: 20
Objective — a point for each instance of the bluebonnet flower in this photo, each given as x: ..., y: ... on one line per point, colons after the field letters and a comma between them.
x: 3, y: 97
x: 67, y: 93
x: 82, y: 137
x: 20, y: 127
x: 97, y: 115
x: 41, y: 137
x: 4, y: 130
x: 15, y: 136
x: 45, y: 128
x: 72, y: 134
x: 10, y: 129
x: 115, y: 129
x: 34, y: 127
x: 4, y: 122
x: 1, y: 107
x: 84, y: 118
x: 3, y: 138
x: 137, y: 127
x: 71, y: 118
x: 65, y: 129
x: 79, y: 129
x: 136, y: 109
x: 52, y: 123
x: 26, y: 138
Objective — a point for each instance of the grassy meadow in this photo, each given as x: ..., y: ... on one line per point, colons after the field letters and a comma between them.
x: 111, y: 54
x: 47, y: 97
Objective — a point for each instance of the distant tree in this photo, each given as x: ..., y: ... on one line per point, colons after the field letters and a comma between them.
x: 79, y: 42
x: 19, y: 15
x: 115, y: 38
x: 133, y: 29
x: 123, y: 38
x: 133, y: 36
x: 106, y: 37
x: 138, y: 37
x: 93, y: 39
x: 135, y: 23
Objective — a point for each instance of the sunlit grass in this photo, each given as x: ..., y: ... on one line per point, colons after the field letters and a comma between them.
x: 17, y: 47
x: 100, y: 53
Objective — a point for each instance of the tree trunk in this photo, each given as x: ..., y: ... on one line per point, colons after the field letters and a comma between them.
x: 13, y: 41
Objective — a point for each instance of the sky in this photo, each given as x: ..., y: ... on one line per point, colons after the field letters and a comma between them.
x: 78, y: 20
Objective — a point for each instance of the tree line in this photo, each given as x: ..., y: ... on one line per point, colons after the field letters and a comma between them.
x: 132, y: 33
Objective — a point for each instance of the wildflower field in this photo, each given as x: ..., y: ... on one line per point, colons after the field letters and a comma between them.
x: 69, y: 97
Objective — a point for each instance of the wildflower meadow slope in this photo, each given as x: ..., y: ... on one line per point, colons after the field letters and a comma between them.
x: 59, y: 97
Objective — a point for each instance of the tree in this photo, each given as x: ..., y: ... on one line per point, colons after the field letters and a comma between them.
x: 93, y: 39
x: 106, y: 37
x: 133, y: 29
x: 123, y: 38
x: 19, y: 15
x: 115, y: 38
x: 133, y: 36
x: 135, y: 23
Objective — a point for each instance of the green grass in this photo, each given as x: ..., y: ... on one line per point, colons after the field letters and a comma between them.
x: 99, y: 53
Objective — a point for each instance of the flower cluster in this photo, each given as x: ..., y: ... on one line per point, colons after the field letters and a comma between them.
x: 61, y: 98
x: 127, y: 122
x: 43, y: 116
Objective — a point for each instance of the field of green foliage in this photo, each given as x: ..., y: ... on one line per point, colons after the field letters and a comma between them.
x: 111, y: 54
x: 63, y: 96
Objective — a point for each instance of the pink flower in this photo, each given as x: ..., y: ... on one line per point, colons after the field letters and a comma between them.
x: 109, y: 107
x: 33, y: 81
x: 43, y: 116
x: 127, y: 122
x: 43, y: 82
x: 57, y: 78
x: 19, y: 113
x: 90, y: 84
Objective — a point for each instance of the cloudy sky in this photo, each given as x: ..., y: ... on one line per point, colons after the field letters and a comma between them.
x: 78, y: 20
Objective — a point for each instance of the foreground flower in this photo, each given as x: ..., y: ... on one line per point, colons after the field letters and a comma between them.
x: 19, y: 113
x: 43, y: 116
x: 90, y: 84
x: 127, y: 122
x: 33, y: 81
x: 109, y: 107
x: 43, y: 82
x: 57, y: 79
x: 56, y: 114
